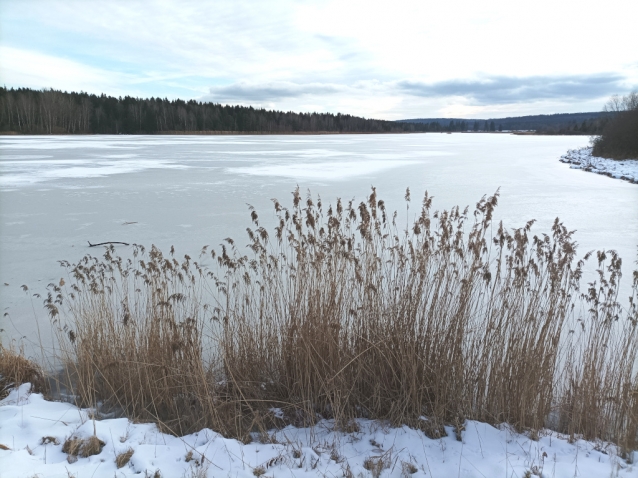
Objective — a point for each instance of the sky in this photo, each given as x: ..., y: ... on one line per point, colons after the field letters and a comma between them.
x: 386, y: 60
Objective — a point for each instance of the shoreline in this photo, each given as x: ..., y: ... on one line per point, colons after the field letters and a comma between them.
x: 626, y: 169
x: 37, y: 434
x: 283, y: 133
x: 220, y: 133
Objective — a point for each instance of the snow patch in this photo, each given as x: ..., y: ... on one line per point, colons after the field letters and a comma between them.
x: 33, y: 431
x: 582, y: 158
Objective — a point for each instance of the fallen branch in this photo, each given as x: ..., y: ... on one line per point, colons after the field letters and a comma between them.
x: 105, y: 243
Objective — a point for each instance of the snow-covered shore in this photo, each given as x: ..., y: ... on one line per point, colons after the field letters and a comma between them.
x: 33, y: 432
x: 582, y: 159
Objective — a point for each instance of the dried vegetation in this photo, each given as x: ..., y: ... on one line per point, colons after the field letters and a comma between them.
x: 343, y: 313
x: 83, y: 447
x: 123, y: 458
x: 16, y: 369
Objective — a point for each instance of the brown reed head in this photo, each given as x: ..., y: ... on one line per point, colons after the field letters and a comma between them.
x: 343, y: 313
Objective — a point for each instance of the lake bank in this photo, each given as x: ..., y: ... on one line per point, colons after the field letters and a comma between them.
x: 267, y: 133
x: 625, y: 169
x: 292, y: 452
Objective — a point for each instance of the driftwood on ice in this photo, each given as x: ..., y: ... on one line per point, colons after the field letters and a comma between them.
x: 105, y: 243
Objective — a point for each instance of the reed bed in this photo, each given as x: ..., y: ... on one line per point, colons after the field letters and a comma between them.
x: 347, y: 311
x: 16, y: 369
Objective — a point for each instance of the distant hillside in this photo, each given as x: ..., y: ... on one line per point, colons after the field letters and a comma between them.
x: 561, y: 123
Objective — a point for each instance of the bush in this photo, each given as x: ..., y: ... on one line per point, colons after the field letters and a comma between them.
x: 619, y: 139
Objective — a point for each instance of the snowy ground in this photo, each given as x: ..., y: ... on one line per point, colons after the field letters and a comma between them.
x: 582, y: 159
x: 33, y: 430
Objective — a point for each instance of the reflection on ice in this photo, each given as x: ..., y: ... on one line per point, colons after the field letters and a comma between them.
x: 21, y: 173
x: 322, y: 170
x: 4, y: 157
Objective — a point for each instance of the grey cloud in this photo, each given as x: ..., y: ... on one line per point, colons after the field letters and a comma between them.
x: 484, y: 91
x: 504, y: 89
x: 244, y: 91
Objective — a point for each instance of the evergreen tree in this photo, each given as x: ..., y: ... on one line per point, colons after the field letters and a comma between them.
x: 55, y: 112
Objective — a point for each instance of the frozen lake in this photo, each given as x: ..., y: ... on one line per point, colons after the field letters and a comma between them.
x: 57, y: 193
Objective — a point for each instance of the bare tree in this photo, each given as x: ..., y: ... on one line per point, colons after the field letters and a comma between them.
x: 624, y: 103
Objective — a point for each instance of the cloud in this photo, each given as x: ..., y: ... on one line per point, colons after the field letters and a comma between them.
x: 509, y: 89
x: 270, y: 91
x: 36, y: 70
x: 32, y: 69
x: 490, y: 90
x: 366, y: 58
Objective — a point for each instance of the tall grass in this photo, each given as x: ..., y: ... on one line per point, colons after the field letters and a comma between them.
x: 16, y: 369
x: 347, y: 311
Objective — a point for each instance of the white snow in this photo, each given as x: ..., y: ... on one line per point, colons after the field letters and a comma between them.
x: 582, y: 159
x: 485, y: 451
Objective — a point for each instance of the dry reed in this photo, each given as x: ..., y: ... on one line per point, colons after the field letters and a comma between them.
x: 86, y: 447
x: 344, y: 313
x: 123, y: 458
x: 16, y: 369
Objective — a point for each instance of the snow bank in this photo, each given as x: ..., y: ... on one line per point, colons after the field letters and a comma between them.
x: 582, y: 159
x: 33, y: 430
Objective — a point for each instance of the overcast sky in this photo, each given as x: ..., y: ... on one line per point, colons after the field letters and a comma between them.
x: 390, y: 59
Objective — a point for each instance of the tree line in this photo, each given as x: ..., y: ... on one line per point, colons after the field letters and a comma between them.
x: 562, y: 123
x: 619, y: 137
x: 590, y: 127
x: 49, y: 111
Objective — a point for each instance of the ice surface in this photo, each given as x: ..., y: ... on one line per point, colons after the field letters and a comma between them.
x: 323, y: 170
x: 18, y: 173
x: 485, y: 451
x: 190, y: 191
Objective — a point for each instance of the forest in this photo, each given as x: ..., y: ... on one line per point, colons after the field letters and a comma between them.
x: 561, y: 123
x: 27, y: 111
x: 48, y: 111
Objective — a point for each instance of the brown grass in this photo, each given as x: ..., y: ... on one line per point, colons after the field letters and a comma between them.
x: 408, y: 469
x: 16, y: 369
x: 91, y: 446
x: 48, y: 440
x: 376, y: 464
x: 345, y: 313
x: 72, y: 446
x: 123, y: 458
x: 86, y: 447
